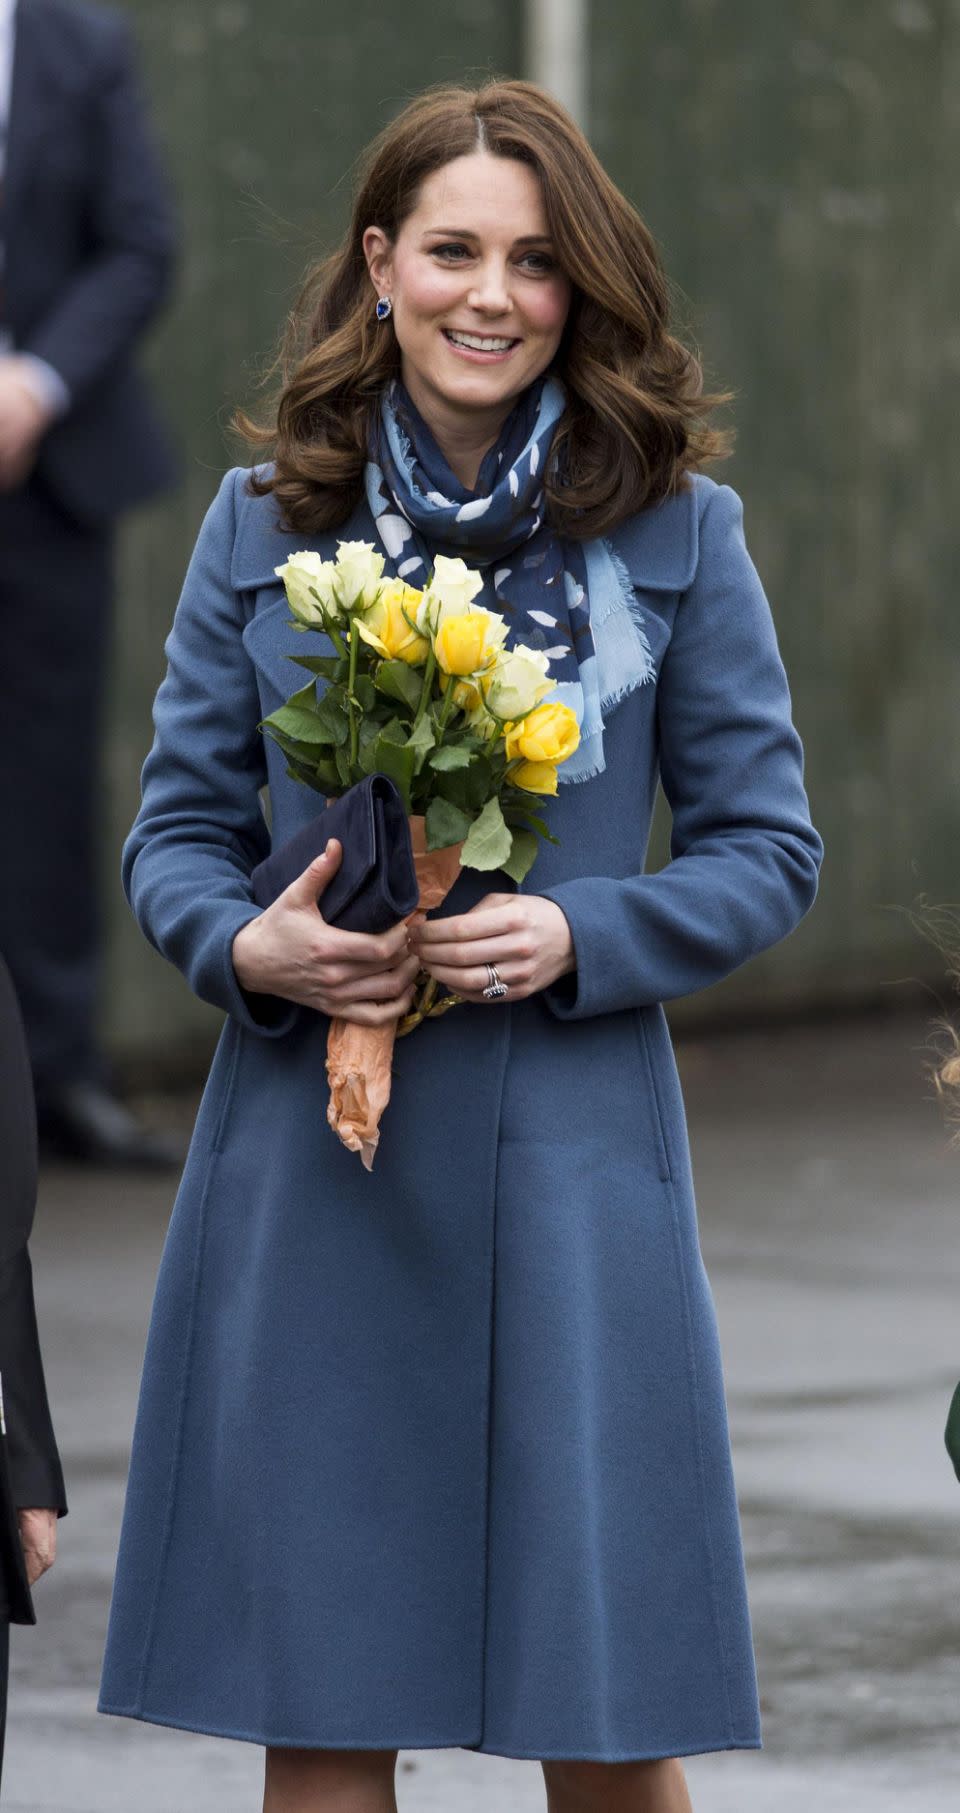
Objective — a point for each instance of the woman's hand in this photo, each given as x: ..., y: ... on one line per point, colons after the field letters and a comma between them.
x: 290, y: 950
x: 38, y: 1538
x: 526, y: 936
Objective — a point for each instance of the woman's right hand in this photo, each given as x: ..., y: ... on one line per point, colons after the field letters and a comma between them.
x: 290, y: 950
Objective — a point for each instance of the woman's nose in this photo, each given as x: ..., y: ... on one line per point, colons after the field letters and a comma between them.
x: 490, y: 291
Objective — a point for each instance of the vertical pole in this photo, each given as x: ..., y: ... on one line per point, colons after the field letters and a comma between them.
x: 557, y: 52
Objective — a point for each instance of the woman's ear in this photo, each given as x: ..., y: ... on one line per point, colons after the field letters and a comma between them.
x: 378, y: 253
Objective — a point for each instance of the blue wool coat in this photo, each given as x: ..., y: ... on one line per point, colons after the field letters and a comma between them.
x: 438, y: 1454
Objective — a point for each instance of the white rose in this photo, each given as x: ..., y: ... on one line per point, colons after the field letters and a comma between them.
x: 309, y: 581
x: 518, y: 682
x: 452, y: 589
x: 359, y: 574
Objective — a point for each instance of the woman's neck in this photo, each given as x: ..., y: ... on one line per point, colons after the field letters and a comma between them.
x: 463, y: 436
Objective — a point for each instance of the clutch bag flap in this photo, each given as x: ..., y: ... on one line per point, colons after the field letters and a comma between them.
x: 376, y: 883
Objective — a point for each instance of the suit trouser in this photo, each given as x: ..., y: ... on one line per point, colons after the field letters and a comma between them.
x: 55, y: 610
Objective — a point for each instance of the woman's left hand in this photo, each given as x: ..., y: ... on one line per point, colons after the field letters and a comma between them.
x: 525, y: 935
x: 38, y: 1536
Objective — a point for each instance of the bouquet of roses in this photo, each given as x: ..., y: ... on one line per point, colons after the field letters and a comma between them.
x: 421, y: 687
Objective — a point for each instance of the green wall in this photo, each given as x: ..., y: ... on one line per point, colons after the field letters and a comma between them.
x: 798, y: 168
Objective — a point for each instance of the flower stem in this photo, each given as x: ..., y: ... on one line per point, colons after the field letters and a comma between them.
x: 447, y: 705
x: 354, y: 718
x: 427, y: 686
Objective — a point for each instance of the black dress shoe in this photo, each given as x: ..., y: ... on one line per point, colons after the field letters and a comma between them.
x: 83, y: 1120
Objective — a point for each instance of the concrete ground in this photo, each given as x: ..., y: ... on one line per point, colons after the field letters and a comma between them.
x: 830, y: 1214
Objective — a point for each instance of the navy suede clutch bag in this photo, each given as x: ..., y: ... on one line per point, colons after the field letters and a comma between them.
x: 376, y: 883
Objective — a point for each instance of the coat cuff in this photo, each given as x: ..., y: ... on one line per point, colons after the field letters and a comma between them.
x: 595, y: 986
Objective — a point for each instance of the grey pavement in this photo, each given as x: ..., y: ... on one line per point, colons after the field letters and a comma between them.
x: 829, y: 1208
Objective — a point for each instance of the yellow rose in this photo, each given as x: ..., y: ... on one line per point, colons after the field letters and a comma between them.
x: 467, y: 643
x: 549, y: 733
x: 386, y: 628
x: 536, y: 777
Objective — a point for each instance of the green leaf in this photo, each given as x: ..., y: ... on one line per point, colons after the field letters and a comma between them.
x: 388, y: 755
x: 468, y: 788
x: 399, y: 682
x: 489, y: 841
x: 522, y: 855
x: 445, y: 824
x: 322, y: 664
x: 364, y: 692
x: 451, y: 755
x: 298, y: 725
x: 332, y: 715
x: 421, y: 742
x: 342, y: 758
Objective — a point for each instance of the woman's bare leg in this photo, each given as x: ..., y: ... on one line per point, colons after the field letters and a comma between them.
x: 329, y: 1781
x: 579, y: 1787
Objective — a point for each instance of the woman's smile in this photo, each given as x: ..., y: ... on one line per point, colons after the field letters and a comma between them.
x: 480, y: 349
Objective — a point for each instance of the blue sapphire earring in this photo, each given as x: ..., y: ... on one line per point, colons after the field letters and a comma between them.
x: 384, y: 308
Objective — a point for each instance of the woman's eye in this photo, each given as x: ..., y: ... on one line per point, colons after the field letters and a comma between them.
x: 541, y: 262
x: 451, y: 248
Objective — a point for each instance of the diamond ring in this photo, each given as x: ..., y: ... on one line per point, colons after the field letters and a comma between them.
x: 496, y: 985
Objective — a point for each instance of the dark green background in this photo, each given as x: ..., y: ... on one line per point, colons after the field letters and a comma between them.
x: 798, y: 167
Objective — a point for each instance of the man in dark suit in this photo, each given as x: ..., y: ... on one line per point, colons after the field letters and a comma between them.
x: 87, y: 243
x: 31, y: 1482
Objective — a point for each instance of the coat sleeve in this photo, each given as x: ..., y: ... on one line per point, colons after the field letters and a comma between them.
x: 36, y: 1478
x: 745, y: 856
x: 200, y: 830
x: 127, y: 272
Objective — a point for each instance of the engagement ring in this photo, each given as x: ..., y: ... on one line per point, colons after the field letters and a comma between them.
x: 496, y: 985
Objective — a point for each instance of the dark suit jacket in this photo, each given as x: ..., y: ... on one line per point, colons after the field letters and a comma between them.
x: 30, y: 1473
x: 89, y: 243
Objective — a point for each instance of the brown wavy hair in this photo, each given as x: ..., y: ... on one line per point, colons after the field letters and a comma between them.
x: 635, y: 418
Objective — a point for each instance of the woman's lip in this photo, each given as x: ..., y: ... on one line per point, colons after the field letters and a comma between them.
x: 474, y: 353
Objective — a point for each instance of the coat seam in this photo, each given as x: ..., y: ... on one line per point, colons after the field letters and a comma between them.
x: 701, y: 1467
x: 215, y: 1153
x: 663, y: 1154
x: 488, y: 1416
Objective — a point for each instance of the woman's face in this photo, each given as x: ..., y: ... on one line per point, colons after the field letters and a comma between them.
x: 479, y: 301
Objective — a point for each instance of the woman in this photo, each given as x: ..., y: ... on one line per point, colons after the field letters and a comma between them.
x: 31, y: 1482
x: 437, y: 1455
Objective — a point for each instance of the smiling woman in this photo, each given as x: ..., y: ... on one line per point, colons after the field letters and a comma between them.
x: 505, y: 249
x: 437, y: 1454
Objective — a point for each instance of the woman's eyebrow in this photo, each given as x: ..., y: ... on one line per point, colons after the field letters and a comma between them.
x: 528, y: 239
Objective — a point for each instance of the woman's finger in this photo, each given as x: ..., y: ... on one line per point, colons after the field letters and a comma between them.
x: 472, y: 982
x: 507, y: 947
x: 367, y: 1013
x: 379, y: 985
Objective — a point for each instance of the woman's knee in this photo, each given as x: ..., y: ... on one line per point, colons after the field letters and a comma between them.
x: 575, y: 1786
x: 329, y: 1781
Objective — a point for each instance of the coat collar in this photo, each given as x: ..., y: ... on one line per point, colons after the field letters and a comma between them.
x: 658, y: 546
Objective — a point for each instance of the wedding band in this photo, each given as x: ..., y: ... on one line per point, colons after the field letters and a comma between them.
x: 496, y: 985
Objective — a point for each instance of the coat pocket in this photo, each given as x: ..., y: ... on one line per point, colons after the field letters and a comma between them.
x: 639, y: 1015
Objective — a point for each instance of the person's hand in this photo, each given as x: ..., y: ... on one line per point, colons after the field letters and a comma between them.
x: 526, y: 936
x: 23, y: 421
x: 38, y: 1538
x: 291, y: 951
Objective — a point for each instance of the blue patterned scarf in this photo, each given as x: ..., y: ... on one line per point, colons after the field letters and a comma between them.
x: 572, y: 599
